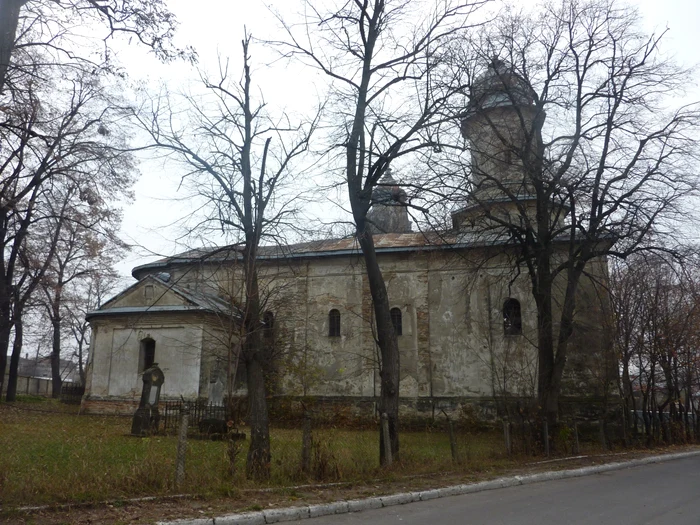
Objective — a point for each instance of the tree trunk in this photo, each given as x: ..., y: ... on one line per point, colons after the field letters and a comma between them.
x: 56, y: 359
x: 5, y: 328
x: 547, y: 396
x: 81, y: 367
x: 258, y: 461
x: 9, y: 16
x: 389, y: 372
x: 14, y: 358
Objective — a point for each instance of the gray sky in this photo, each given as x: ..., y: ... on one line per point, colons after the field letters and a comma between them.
x: 215, y: 28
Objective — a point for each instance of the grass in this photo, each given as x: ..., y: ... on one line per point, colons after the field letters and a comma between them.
x: 58, y: 457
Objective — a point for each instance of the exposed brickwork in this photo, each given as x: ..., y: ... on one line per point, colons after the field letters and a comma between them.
x: 107, y: 406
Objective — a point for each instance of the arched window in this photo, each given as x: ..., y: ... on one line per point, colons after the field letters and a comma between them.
x: 268, y: 323
x: 147, y: 354
x: 396, y: 320
x: 334, y: 323
x: 512, y: 321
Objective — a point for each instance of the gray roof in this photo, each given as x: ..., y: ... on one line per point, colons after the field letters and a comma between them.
x: 199, y: 302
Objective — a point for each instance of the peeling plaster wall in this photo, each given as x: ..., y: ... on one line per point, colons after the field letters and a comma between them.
x: 113, y: 372
x: 452, y: 347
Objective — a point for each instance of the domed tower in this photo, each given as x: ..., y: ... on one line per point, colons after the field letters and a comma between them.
x: 503, y: 127
x: 388, y: 213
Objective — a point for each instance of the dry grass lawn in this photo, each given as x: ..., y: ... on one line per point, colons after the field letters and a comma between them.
x: 51, y: 455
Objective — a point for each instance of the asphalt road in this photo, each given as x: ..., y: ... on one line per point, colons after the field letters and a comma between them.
x: 657, y: 494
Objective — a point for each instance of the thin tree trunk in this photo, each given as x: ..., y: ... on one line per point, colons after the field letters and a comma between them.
x: 389, y: 372
x: 258, y: 460
x: 56, y: 359
x: 81, y: 367
x: 5, y: 328
x: 547, y: 397
x: 14, y: 358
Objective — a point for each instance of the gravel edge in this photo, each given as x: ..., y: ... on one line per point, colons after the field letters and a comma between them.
x: 265, y: 517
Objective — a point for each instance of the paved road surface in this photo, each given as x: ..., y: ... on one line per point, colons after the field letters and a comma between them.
x: 658, y: 494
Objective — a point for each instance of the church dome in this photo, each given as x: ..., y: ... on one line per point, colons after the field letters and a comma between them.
x: 387, y: 191
x: 389, y: 213
x: 499, y: 86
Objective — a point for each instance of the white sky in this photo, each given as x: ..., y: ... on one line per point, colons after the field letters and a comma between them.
x: 215, y: 27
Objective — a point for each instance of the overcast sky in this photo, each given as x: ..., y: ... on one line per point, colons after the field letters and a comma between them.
x: 214, y: 28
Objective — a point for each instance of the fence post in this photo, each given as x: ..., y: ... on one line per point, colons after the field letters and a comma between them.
x: 545, y: 435
x: 576, y: 443
x: 306, y: 445
x: 506, y: 436
x: 182, y: 445
x: 624, y: 422
x: 453, y: 441
x: 387, y: 442
x: 601, y: 424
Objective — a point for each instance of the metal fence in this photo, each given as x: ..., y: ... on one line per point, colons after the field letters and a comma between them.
x: 72, y: 393
x: 199, y: 411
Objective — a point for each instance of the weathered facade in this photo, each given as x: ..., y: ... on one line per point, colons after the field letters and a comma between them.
x: 464, y: 314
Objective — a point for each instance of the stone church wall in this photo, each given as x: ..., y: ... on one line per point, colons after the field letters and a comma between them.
x: 453, y: 349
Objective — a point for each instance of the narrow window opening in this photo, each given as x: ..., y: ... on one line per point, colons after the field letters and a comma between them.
x: 147, y: 354
x: 512, y: 320
x: 396, y: 320
x: 268, y: 324
x: 334, y: 323
x: 148, y: 291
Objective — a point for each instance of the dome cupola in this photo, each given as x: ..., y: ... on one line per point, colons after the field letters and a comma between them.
x: 388, y: 213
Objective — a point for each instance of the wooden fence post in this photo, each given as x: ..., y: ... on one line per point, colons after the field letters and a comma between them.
x: 387, y: 442
x: 306, y: 445
x: 453, y: 441
x: 506, y: 436
x: 601, y: 425
x: 182, y: 445
x: 545, y: 436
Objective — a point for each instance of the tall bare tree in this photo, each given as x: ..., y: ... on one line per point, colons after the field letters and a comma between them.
x: 56, y: 134
x: 50, y: 90
x: 84, y: 242
x: 381, y: 58
x: 239, y: 158
x: 580, y: 138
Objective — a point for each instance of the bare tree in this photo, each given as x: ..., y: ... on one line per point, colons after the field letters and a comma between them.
x: 148, y: 21
x: 381, y: 58
x: 65, y: 133
x: 656, y: 308
x: 84, y: 241
x: 572, y: 132
x: 239, y: 158
x: 87, y: 295
x: 51, y: 126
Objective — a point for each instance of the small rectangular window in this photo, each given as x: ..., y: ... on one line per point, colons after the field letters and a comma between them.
x: 334, y: 323
x: 396, y: 320
x: 148, y: 291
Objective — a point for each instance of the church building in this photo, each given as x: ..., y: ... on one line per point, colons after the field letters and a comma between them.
x: 464, y: 315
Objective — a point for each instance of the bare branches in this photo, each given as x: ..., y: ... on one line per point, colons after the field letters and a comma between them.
x: 50, y: 25
x: 605, y: 173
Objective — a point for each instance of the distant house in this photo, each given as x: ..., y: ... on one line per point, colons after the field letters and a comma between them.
x: 34, y: 375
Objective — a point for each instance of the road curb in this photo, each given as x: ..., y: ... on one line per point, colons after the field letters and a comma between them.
x: 265, y: 517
